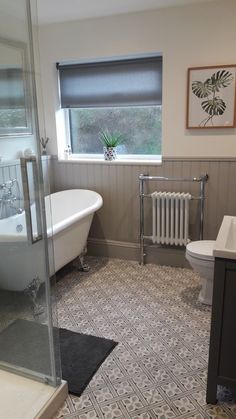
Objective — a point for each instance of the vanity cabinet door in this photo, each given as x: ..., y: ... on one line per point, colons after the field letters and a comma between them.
x: 222, y: 351
x: 227, y: 358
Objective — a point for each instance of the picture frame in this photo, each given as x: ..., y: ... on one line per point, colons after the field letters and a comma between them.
x: 211, y: 97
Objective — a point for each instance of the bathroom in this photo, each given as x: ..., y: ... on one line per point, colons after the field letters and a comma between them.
x: 188, y: 34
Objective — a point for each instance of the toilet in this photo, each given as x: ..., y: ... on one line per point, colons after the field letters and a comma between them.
x: 200, y: 256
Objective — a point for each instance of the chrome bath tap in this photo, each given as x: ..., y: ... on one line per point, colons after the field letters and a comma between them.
x: 8, y: 199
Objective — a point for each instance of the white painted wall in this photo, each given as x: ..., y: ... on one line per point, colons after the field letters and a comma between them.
x: 188, y: 36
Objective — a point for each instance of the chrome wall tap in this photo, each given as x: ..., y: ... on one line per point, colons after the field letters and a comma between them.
x: 8, y: 199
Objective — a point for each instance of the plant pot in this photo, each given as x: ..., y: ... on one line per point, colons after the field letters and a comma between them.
x: 109, y: 153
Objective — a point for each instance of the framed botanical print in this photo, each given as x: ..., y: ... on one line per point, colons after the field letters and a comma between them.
x: 211, y: 95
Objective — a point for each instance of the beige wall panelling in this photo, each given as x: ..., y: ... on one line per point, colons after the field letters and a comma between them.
x: 117, y: 222
x: 221, y: 204
x: 231, y: 205
x: 212, y: 195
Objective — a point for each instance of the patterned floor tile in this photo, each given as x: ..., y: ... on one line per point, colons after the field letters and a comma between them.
x: 184, y: 405
x: 159, y: 368
x: 111, y: 411
x: 142, y: 381
x: 142, y: 416
x: 65, y: 410
x: 200, y: 397
x: 132, y: 403
x: 189, y: 382
x: 171, y: 389
x: 164, y: 412
x: 123, y: 388
x: 91, y: 414
x: 97, y: 380
x: 102, y: 395
x: 152, y: 396
x: 82, y: 402
x: 217, y: 412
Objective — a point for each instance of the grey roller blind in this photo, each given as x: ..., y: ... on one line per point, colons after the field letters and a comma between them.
x: 111, y: 83
x: 12, y: 93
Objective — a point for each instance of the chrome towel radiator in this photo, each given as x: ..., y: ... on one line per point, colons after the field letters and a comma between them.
x: 170, y: 218
x: 170, y: 213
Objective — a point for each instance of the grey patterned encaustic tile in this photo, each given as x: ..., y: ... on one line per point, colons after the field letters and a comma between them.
x: 159, y: 368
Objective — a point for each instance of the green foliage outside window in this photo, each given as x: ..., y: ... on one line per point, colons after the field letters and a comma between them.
x: 141, y: 126
x: 12, y: 118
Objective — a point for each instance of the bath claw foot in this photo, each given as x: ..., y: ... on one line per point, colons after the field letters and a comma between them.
x: 38, y: 310
x: 83, y: 267
x: 31, y: 291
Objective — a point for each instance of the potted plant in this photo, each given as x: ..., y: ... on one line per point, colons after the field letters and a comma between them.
x: 44, y: 142
x: 110, y: 141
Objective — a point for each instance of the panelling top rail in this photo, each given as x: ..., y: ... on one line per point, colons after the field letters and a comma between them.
x: 202, y: 179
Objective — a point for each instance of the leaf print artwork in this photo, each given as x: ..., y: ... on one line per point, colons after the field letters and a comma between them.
x: 214, y: 105
x: 211, y: 97
x: 201, y: 89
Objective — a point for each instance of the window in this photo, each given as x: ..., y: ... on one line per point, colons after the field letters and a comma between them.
x: 122, y: 96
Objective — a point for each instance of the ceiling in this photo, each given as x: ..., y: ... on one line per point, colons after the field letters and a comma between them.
x: 51, y: 11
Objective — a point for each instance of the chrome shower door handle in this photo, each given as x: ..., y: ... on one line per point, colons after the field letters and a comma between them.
x: 37, y: 236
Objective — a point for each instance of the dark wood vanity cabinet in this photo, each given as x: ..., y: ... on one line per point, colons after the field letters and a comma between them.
x: 222, y: 352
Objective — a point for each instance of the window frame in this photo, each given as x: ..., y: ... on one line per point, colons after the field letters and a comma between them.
x: 99, y: 158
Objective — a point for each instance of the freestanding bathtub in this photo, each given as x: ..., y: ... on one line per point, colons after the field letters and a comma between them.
x: 69, y: 216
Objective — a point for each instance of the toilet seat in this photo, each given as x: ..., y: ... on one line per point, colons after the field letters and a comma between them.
x: 202, y: 249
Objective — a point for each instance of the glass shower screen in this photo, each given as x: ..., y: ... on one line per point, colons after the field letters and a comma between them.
x: 28, y: 328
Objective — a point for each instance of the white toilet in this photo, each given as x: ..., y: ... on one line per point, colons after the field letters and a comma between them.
x: 200, y: 256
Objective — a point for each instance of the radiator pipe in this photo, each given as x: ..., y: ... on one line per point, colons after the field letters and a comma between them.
x: 141, y: 219
x: 204, y: 179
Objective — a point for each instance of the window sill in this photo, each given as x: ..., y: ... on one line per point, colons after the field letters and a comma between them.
x: 117, y: 162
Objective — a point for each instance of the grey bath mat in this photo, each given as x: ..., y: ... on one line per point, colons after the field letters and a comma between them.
x: 81, y: 356
x: 25, y: 344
